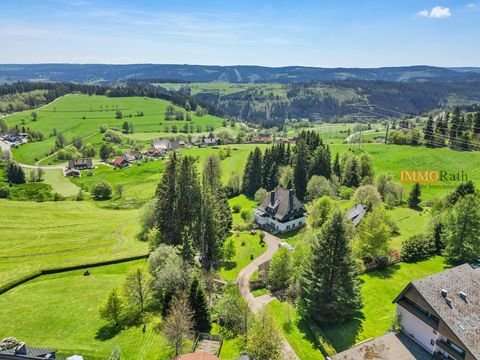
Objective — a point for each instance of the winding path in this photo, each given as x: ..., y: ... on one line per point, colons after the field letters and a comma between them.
x: 257, y: 303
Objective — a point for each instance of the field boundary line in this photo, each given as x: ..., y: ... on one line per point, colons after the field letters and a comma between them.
x: 36, y: 274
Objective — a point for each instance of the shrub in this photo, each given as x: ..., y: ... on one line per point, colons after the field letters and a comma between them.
x: 102, y: 191
x: 4, y: 192
x: 417, y: 247
x: 260, y: 195
x: 58, y: 197
x: 236, y: 208
x: 368, y: 196
x: 345, y: 193
x: 246, y: 215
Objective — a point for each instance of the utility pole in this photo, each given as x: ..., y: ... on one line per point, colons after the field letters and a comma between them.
x: 386, y: 134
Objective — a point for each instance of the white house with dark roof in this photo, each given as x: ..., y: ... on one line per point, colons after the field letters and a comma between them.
x: 280, y: 211
x: 442, y: 313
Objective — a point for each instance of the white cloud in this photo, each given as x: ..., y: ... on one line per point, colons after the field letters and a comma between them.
x: 424, y: 13
x: 438, y: 12
x: 471, y: 5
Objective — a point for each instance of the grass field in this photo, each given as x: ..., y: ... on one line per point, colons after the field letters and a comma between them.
x: 61, y: 312
x: 82, y: 115
x: 60, y: 183
x: 410, y: 222
x: 394, y: 158
x: 233, y: 164
x: 50, y: 235
x: 295, y: 330
x: 139, y: 180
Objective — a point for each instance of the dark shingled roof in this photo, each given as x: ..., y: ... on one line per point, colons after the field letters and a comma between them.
x: 26, y: 352
x: 278, y: 203
x: 463, y: 316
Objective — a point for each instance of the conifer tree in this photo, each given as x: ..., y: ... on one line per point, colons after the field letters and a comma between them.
x: 328, y: 283
x: 414, y: 197
x: 252, y: 176
x: 198, y: 303
x: 476, y: 123
x: 352, y: 173
x: 337, y: 170
x: 300, y: 175
x: 165, y: 212
x: 428, y: 132
x: 320, y: 163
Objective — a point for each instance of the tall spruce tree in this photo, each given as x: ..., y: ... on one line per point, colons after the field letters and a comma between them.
x: 199, y: 305
x: 337, y: 170
x: 414, y: 197
x: 428, y: 132
x: 330, y: 292
x: 15, y: 173
x: 455, y: 127
x: 352, y: 176
x: 476, y: 123
x: 300, y: 174
x: 165, y: 212
x: 189, y: 196
x: 320, y: 163
x: 270, y: 168
x: 252, y: 176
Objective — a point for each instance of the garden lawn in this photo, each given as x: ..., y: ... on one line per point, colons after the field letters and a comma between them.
x: 409, y: 222
x: 51, y: 235
x: 245, y: 204
x: 60, y: 312
x: 82, y: 115
x: 295, y: 330
x: 230, y: 270
x: 379, y: 289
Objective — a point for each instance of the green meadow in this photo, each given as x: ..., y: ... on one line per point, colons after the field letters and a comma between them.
x: 49, y: 235
x: 82, y: 115
x: 60, y: 311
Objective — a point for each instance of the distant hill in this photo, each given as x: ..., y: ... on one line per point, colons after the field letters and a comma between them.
x: 102, y: 73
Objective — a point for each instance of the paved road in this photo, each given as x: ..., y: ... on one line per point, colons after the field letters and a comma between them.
x: 257, y: 303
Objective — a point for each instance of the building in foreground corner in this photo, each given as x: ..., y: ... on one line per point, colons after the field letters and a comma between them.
x: 442, y: 313
x: 280, y: 211
x: 439, y: 317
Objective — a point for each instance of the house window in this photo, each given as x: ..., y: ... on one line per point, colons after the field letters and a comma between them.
x: 435, y: 331
x: 432, y: 342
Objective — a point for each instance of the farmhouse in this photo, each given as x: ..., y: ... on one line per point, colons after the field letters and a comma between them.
x: 80, y: 164
x: 281, y: 211
x: 137, y: 155
x: 442, y: 312
x: 120, y: 162
x: 72, y: 173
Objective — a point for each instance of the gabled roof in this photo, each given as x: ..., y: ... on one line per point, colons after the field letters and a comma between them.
x: 162, y: 143
x: 119, y: 160
x: 281, y: 202
x: 356, y: 213
x: 462, y: 317
x: 200, y: 355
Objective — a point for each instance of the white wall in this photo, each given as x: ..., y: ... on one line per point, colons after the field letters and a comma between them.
x: 417, y: 329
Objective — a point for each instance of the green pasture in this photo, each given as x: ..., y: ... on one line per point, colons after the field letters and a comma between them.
x: 82, y: 115
x: 51, y: 235
x: 60, y: 312
x: 139, y: 180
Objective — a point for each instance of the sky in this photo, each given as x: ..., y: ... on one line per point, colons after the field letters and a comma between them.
x: 324, y: 33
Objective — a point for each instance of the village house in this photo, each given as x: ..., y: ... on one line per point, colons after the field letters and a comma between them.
x: 261, y: 139
x: 120, y: 162
x: 80, y: 164
x: 281, y: 211
x: 439, y: 317
x: 136, y: 155
x: 72, y: 173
